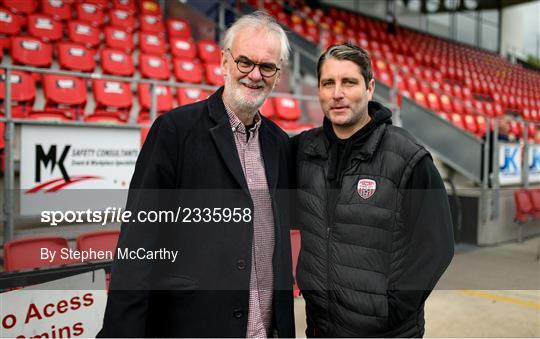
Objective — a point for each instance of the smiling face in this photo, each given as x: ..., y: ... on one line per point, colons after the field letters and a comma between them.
x: 245, y: 93
x: 344, y: 97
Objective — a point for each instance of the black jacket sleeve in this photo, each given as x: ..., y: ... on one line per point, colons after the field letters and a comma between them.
x: 125, y: 314
x: 428, y: 223
x: 294, y: 143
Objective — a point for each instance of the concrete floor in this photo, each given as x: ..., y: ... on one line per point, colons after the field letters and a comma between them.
x: 486, y: 292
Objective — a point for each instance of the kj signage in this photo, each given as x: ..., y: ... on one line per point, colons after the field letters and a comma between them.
x: 509, y: 164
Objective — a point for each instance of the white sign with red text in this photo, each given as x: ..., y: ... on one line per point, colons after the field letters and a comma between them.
x: 66, y: 308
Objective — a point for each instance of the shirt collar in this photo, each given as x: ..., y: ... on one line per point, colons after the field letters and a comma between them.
x: 237, y: 125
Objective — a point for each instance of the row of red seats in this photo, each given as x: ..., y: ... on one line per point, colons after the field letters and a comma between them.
x: 44, y: 27
x: 24, y: 253
x: 476, y: 124
x: 62, y: 9
x: 442, y: 86
x: 68, y: 94
x: 34, y: 52
x: 425, y: 50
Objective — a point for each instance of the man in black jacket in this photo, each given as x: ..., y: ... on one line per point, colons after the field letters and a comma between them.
x: 372, y: 209
x: 221, y: 167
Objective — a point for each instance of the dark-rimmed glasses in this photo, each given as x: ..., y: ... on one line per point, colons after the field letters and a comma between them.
x: 245, y: 66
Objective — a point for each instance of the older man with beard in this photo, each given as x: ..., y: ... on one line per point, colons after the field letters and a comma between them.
x: 226, y: 166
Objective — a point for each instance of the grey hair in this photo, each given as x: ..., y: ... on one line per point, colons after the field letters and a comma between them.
x: 258, y: 19
x: 350, y: 52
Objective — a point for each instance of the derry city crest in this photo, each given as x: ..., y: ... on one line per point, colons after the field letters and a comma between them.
x: 366, y: 188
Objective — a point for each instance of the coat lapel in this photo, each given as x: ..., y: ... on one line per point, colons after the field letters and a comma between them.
x: 224, y: 139
x: 270, y: 154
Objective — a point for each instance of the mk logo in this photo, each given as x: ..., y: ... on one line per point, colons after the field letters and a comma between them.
x: 50, y: 158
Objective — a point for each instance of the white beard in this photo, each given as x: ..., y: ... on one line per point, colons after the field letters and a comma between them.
x: 243, y: 103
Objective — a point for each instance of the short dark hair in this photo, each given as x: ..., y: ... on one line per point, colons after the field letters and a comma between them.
x: 347, y: 51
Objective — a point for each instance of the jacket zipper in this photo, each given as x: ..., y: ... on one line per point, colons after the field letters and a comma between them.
x: 329, y: 228
x: 330, y: 296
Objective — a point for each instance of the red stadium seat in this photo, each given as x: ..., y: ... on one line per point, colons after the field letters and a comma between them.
x: 420, y: 98
x: 90, y: 13
x: 532, y: 131
x: 470, y: 123
x: 122, y: 18
x: 116, y: 62
x: 209, y: 51
x: 150, y: 7
x: 10, y: 23
x: 287, y: 108
x: 481, y: 123
x: 187, y: 71
x: 125, y: 5
x: 98, y: 241
x: 23, y: 93
x: 76, y: 57
x: 534, y: 195
x: 526, y: 114
x: 178, y: 28
x: 151, y: 43
x: 524, y: 206
x: 479, y: 107
x: 64, y: 93
x: 49, y: 116
x: 102, y: 4
x: 466, y: 92
x: 433, y: 102
x: 187, y: 96
x: 446, y: 104
x: 106, y: 118
x: 25, y: 253
x: 412, y: 85
x: 516, y: 128
x: 83, y: 33
x: 386, y: 78
x: 293, y: 126
x: 154, y: 67
x: 498, y: 110
x: 183, y: 48
x: 163, y: 97
x: 57, y: 9
x: 31, y: 51
x: 213, y: 74
x: 44, y: 27
x: 152, y: 24
x: 112, y: 96
x: 268, y: 108
x: 21, y: 6
x: 457, y: 120
x: 535, y: 115
x: 119, y: 38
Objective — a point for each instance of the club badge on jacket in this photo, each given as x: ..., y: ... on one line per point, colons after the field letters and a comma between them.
x: 366, y: 188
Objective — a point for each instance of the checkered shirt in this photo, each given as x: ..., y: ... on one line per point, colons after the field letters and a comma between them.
x: 261, y: 281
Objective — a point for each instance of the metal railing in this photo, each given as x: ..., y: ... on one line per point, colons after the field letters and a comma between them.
x: 10, y: 122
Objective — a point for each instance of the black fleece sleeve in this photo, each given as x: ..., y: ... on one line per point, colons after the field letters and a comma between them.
x: 428, y: 223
